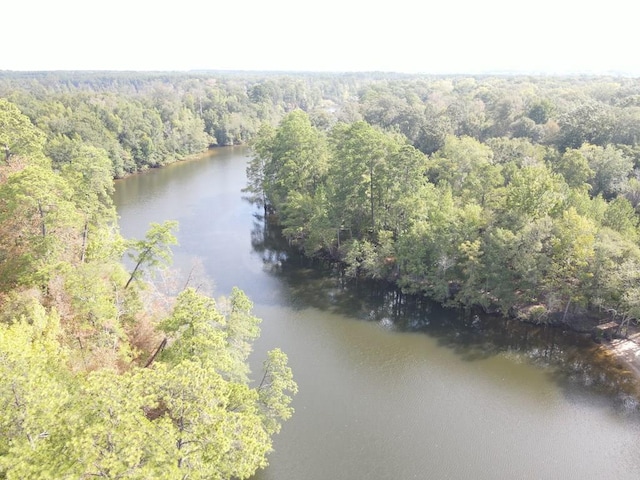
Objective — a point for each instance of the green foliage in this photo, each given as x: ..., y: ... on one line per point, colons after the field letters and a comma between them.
x: 191, y: 414
x: 466, y: 165
x: 506, y: 212
x: 39, y: 223
x: 621, y: 216
x: 256, y: 168
x: 227, y: 433
x: 74, y: 402
x: 18, y: 137
x: 611, y: 169
x: 275, y: 390
x: 533, y: 193
x: 574, y: 168
x: 154, y: 250
x: 359, y: 183
x: 297, y: 160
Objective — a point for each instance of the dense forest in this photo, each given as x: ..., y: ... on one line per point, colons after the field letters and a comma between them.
x: 517, y: 195
x: 104, y: 375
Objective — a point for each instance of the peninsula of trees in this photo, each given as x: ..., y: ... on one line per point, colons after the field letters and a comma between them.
x: 517, y: 196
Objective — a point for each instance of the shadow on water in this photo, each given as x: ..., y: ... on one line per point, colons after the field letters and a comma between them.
x: 577, y: 364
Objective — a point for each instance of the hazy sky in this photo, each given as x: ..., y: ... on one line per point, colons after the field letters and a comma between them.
x: 448, y: 36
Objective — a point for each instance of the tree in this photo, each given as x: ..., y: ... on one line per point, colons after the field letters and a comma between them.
x: 256, y: 168
x: 359, y: 159
x: 17, y: 134
x: 89, y: 174
x: 572, y: 244
x: 621, y: 217
x: 588, y: 122
x: 154, y: 249
x: 533, y: 193
x: 221, y: 427
x: 615, y: 274
x: 39, y: 225
x: 468, y: 166
x: 401, y: 188
x: 540, y: 111
x: 574, y: 167
x: 32, y: 362
x: 297, y: 159
x: 611, y: 169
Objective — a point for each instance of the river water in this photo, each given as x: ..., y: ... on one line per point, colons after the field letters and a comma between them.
x: 390, y: 389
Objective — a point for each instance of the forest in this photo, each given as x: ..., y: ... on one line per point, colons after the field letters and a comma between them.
x: 104, y: 374
x: 515, y: 195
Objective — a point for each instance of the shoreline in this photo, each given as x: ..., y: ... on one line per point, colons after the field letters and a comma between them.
x: 188, y: 158
x: 627, y: 352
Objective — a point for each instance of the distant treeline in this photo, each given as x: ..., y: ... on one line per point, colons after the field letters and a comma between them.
x: 145, y: 120
x: 148, y: 120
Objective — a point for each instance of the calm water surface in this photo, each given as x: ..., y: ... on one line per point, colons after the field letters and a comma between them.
x: 389, y: 389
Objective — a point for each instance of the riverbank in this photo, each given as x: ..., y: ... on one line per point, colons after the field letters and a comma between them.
x: 177, y: 160
x: 627, y: 352
x: 623, y: 350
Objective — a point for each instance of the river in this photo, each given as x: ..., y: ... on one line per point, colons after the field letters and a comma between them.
x: 389, y: 389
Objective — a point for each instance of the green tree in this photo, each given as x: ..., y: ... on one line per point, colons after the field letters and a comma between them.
x: 89, y: 174
x: 257, y: 166
x: 611, y: 169
x: 621, y: 217
x: 18, y: 136
x: 297, y: 159
x: 358, y: 166
x: 574, y: 167
x: 467, y: 165
x: 190, y: 414
x: 154, y: 250
x: 541, y: 111
x: 32, y: 362
x: 222, y: 427
x: 588, y: 122
x: 533, y: 193
x: 39, y: 224
x: 573, y: 249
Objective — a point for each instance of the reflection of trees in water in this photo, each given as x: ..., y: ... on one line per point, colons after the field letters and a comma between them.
x: 267, y: 240
x: 572, y: 359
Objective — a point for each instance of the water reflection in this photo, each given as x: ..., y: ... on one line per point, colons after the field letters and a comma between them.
x: 572, y: 360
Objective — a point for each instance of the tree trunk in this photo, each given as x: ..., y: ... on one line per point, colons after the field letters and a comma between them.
x: 85, y: 234
x: 43, y: 225
x: 133, y: 274
x: 373, y: 223
x: 155, y: 354
x: 142, y: 258
x: 566, y: 310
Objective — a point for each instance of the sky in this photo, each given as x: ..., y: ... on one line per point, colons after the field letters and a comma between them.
x: 413, y: 36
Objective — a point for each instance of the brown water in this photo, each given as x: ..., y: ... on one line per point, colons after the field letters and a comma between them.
x: 390, y: 389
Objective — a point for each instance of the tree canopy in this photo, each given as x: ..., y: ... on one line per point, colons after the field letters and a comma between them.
x: 505, y: 224
x: 96, y: 381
